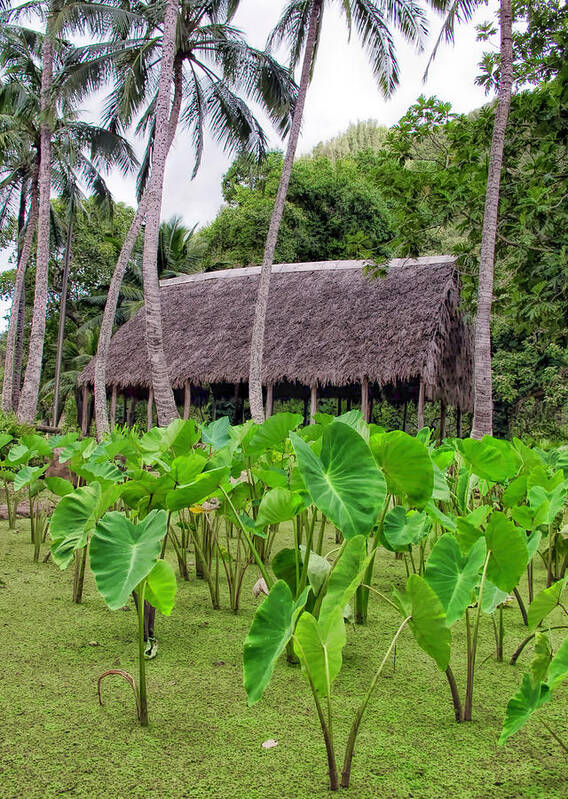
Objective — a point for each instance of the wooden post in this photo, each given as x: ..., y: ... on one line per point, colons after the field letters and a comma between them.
x: 85, y: 411
x: 339, y: 406
x: 150, y: 412
x: 458, y: 422
x: 131, y: 410
x: 305, y: 410
x: 124, y: 411
x: 269, y: 400
x: 113, y: 408
x: 365, y: 398
x: 442, y: 421
x: 420, y: 415
x: 404, y: 415
x: 186, y: 399
x: 313, y: 403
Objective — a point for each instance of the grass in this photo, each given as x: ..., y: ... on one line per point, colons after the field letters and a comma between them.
x: 204, y: 742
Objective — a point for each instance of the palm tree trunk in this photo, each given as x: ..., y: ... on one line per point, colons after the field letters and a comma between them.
x: 19, y: 352
x: 19, y: 292
x: 483, y: 408
x: 107, y: 324
x: 62, y: 315
x: 30, y: 390
x: 163, y: 393
x: 259, y: 325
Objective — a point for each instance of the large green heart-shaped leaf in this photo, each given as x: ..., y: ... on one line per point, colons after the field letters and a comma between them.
x: 271, y: 629
x: 491, y: 458
x: 185, y: 468
x: 198, y: 491
x: 161, y: 587
x: 318, y: 570
x: 123, y: 554
x: 509, y: 553
x: 407, y: 466
x: 528, y: 698
x: 28, y: 476
x: 270, y: 433
x: 544, y: 603
x: 344, y: 482
x: 59, y: 486
x: 319, y: 651
x: 284, y: 567
x: 216, y: 434
x: 403, y: 528
x: 72, y: 521
x: 454, y: 576
x: 558, y: 670
x: 344, y: 580
x: 278, y: 505
x: 427, y: 619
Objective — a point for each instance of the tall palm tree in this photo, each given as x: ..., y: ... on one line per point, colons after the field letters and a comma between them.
x: 462, y: 11
x: 214, y: 72
x: 300, y: 26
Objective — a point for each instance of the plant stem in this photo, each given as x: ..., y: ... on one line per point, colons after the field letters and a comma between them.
x: 142, y: 697
x: 349, y: 751
x: 267, y: 579
x: 458, y: 710
x: 554, y: 735
x: 472, y: 646
x: 522, y: 607
x: 321, y: 534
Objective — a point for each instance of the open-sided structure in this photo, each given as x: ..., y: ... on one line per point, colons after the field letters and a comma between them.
x: 332, y: 330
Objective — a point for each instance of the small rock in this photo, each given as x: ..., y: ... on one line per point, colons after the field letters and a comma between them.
x: 219, y: 663
x: 125, y: 607
x: 270, y: 744
x: 93, y: 643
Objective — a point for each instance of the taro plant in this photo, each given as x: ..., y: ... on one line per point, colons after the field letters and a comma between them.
x: 125, y: 558
x: 546, y: 673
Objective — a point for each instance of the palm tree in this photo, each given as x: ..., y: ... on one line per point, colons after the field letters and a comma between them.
x: 213, y: 70
x: 300, y: 26
x: 462, y: 11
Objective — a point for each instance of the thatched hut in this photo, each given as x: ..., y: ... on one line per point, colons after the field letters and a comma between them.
x: 332, y: 330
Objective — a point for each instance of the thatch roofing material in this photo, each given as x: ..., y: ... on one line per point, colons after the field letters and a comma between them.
x: 327, y: 322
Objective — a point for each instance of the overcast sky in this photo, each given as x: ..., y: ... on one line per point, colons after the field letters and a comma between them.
x: 343, y: 91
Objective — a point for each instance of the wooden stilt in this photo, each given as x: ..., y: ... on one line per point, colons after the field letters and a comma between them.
x: 85, y: 410
x: 442, y: 421
x: 235, y: 419
x: 305, y: 410
x: 365, y: 398
x: 458, y: 422
x: 404, y: 415
x: 150, y: 411
x: 313, y: 403
x: 113, y: 408
x: 186, y: 399
x: 269, y: 400
x: 420, y: 414
x: 124, y: 410
x: 339, y: 406
x: 131, y: 410
x: 348, y: 404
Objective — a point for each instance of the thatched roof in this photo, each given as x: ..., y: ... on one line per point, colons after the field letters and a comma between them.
x: 327, y: 322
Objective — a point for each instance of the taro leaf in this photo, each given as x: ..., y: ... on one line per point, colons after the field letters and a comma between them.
x: 515, y: 492
x: 509, y: 553
x: 467, y: 534
x: 37, y: 445
x: 270, y: 433
x: 278, y: 505
x: 319, y: 652
x: 344, y: 580
x: 271, y: 629
x: 428, y: 619
x: 185, y: 468
x: 553, y: 501
x: 544, y: 603
x: 5, y: 438
x: 454, y: 576
x: 491, y: 458
x: 59, y: 486
x: 72, y: 521
x: 284, y: 568
x: 17, y: 454
x: 540, y: 477
x: 479, y: 516
x: 197, y: 491
x: 441, y: 490
x: 103, y: 473
x: 344, y: 482
x: 558, y: 670
x: 27, y: 476
x: 271, y: 476
x: 216, y: 434
x: 434, y: 512
x: 527, y: 699
x: 407, y: 466
x: 161, y: 587
x: 318, y: 569
x: 492, y: 597
x: 533, y: 543
x: 538, y: 668
x: 402, y: 529
x: 123, y: 554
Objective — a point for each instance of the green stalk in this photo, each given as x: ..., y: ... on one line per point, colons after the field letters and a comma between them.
x: 554, y: 735
x: 142, y: 696
x: 321, y: 534
x: 346, y: 771
x: 472, y: 647
x: 267, y: 579
x: 362, y: 594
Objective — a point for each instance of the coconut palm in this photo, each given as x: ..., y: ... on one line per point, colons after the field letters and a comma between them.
x: 462, y: 11
x: 214, y: 73
x: 300, y: 27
